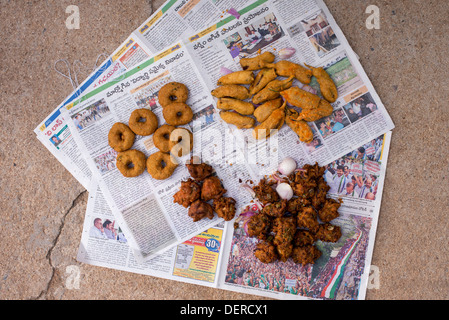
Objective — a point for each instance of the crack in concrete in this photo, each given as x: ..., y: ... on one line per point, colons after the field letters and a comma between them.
x: 55, y: 241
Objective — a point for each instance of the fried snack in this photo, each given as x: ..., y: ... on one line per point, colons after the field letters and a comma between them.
x: 257, y: 62
x: 238, y: 77
x: 259, y: 226
x: 231, y: 91
x: 143, y: 122
x: 199, y: 171
x: 189, y: 192
x: 272, y: 90
x: 199, y: 210
x: 263, y: 111
x: 306, y: 254
x: 161, y: 137
x: 241, y: 122
x: 121, y: 137
x: 161, y: 165
x: 181, y: 142
x: 242, y: 107
x: 275, y: 209
x: 264, y: 77
x: 265, y: 193
x: 324, y: 109
x: 225, y: 208
x: 284, y: 228
x: 286, y: 68
x: 274, y: 122
x: 177, y: 114
x: 327, y: 85
x: 329, y: 211
x: 212, y: 189
x: 319, y: 198
x: 301, y: 98
x: 266, y: 252
x: 131, y: 163
x: 307, y: 218
x: 303, y: 238
x: 172, y: 92
x: 328, y: 233
x: 300, y: 127
x: 295, y: 205
x: 284, y: 250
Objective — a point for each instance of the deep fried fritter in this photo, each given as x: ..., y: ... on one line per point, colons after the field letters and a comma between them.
x: 300, y: 127
x: 303, y: 238
x: 257, y: 62
x: 266, y: 252
x: 307, y: 218
x: 275, y: 209
x: 284, y: 228
x: 286, y: 68
x: 324, y: 109
x: 329, y: 211
x: 265, y: 193
x: 263, y: 111
x: 238, y: 77
x: 199, y: 171
x: 284, y: 250
x: 327, y: 85
x: 189, y: 192
x: 212, y: 189
x: 264, y: 77
x: 225, y: 208
x: 274, y: 122
x: 231, y: 91
x: 305, y: 255
x: 272, y: 90
x: 238, y: 120
x: 240, y: 106
x: 200, y: 209
x: 319, y: 197
x: 328, y: 232
x: 301, y: 98
x: 295, y: 205
x: 259, y: 226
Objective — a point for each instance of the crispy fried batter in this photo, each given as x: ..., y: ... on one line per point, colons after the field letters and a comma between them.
x: 231, y: 91
x: 212, y: 189
x: 242, y: 107
x: 265, y: 193
x: 284, y: 228
x: 300, y: 127
x: 303, y: 238
x: 266, y: 252
x: 327, y: 85
x: 275, y: 209
x: 286, y: 68
x: 238, y: 77
x: 307, y: 218
x: 264, y: 77
x: 241, y: 122
x: 257, y: 62
x: 305, y: 255
x: 259, y: 226
x: 330, y: 210
x: 295, y: 205
x: 200, y: 209
x: 324, y: 109
x: 274, y: 122
x: 301, y: 98
x: 284, y: 250
x: 189, y: 192
x: 199, y: 171
x: 225, y: 208
x: 272, y: 90
x: 328, y: 232
x: 263, y: 111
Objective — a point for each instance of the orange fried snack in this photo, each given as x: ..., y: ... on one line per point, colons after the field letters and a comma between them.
x: 303, y: 238
x: 257, y: 62
x: 307, y: 218
x: 272, y: 90
x: 266, y: 252
x: 286, y: 68
x: 274, y: 122
x: 330, y: 210
x: 238, y: 77
x: 306, y: 254
x: 212, y: 189
x: 231, y: 91
x: 189, y: 192
x: 199, y: 171
x: 265, y: 193
x: 242, y: 107
x: 275, y: 209
x: 199, y: 210
x: 259, y: 226
x: 327, y: 85
x: 301, y: 98
x: 263, y: 111
x: 324, y: 109
x: 240, y: 121
x: 300, y: 127
x: 225, y: 208
x: 264, y: 77
x: 328, y: 233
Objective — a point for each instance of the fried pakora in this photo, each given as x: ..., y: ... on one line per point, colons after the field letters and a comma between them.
x: 199, y: 171
x: 199, y: 210
x: 301, y: 98
x: 241, y: 122
x: 259, y: 226
x: 238, y: 77
x: 275, y: 209
x: 328, y: 232
x: 272, y: 90
x: 286, y: 68
x: 303, y: 238
x: 306, y: 254
x: 327, y: 85
x: 329, y: 211
x: 295, y: 205
x: 307, y: 218
x: 284, y: 251
x: 212, y: 189
x: 189, y: 192
x: 284, y: 228
x: 324, y: 109
x: 263, y: 111
x: 266, y: 252
x: 265, y: 193
x: 225, y: 208
x: 273, y: 123
x: 300, y: 127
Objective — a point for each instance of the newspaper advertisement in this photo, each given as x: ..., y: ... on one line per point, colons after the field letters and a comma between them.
x: 223, y: 257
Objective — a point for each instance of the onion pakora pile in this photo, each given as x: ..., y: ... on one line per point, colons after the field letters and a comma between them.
x: 203, y: 193
x: 289, y: 228
x: 271, y: 95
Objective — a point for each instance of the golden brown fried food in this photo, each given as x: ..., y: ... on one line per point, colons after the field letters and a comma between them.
x: 263, y: 111
x: 295, y: 205
x: 161, y: 165
x: 284, y: 250
x: 275, y: 209
x: 273, y: 123
x: 307, y: 218
x: 328, y: 233
x: 305, y: 255
x: 324, y: 109
x: 199, y: 210
x: 284, y: 228
x: 257, y: 62
x: 242, y: 107
x: 225, y: 208
x: 321, y: 192
x: 231, y: 91
x: 303, y: 238
x: 259, y: 226
x: 330, y: 210
x: 272, y: 90
x: 173, y: 92
x: 264, y: 77
x: 189, y: 192
x: 265, y: 193
x: 286, y: 68
x: 161, y: 137
x: 199, y: 171
x: 238, y: 77
x: 131, y: 163
x: 121, y: 137
x: 177, y: 114
x: 212, y: 189
x: 327, y: 85
x: 300, y: 127
x: 266, y: 252
x: 301, y: 98
x: 181, y: 142
x: 241, y: 122
x: 143, y: 122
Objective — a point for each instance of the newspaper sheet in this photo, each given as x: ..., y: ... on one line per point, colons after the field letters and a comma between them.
x: 222, y: 256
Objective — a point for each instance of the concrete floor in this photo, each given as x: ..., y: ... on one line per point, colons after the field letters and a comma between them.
x: 42, y: 206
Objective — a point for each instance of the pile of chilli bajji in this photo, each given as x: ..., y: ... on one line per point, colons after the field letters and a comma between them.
x: 171, y: 140
x: 290, y: 228
x: 270, y: 96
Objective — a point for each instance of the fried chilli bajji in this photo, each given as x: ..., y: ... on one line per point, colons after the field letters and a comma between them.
x: 257, y: 62
x: 238, y: 77
x: 328, y: 232
x: 330, y: 210
x: 199, y: 171
x: 231, y: 91
x: 199, y: 210
x: 242, y: 107
x: 272, y: 90
x: 266, y: 252
x: 327, y: 85
x: 263, y: 111
x: 301, y: 98
x: 275, y: 209
x: 189, y: 192
x: 212, y: 189
x: 307, y: 218
x: 264, y: 77
x: 241, y: 122
x: 306, y: 254
x: 265, y: 192
x: 274, y: 122
x: 225, y: 208
x: 286, y: 68
x: 259, y: 226
x: 324, y: 109
x: 300, y: 127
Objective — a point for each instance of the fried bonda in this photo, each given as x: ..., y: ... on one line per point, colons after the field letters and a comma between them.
x: 264, y: 77
x: 225, y: 208
x: 265, y: 193
x: 257, y: 62
x: 328, y: 233
x: 189, y: 192
x: 303, y: 238
x: 275, y: 209
x: 212, y: 189
x: 327, y: 85
x: 266, y: 252
x: 199, y: 210
x: 329, y: 211
x: 307, y: 218
x: 284, y: 228
x: 286, y: 68
x: 259, y: 226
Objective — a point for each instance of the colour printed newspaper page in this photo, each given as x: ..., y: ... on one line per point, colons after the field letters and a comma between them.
x: 223, y: 256
x: 152, y: 221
